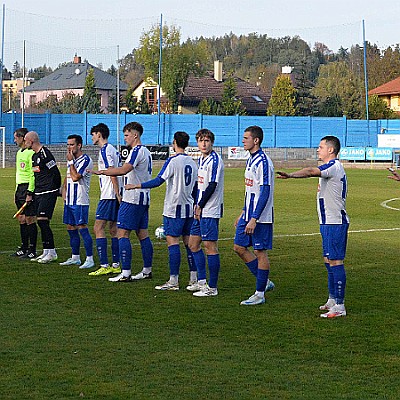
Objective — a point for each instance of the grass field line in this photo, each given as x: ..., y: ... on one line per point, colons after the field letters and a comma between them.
x: 158, y: 242
x: 385, y: 204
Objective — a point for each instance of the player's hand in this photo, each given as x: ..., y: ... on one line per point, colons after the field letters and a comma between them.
x: 197, y: 212
x: 282, y: 175
x: 250, y: 227
x: 28, y: 198
x: 92, y: 171
x: 237, y: 220
x: 395, y: 176
x: 131, y: 186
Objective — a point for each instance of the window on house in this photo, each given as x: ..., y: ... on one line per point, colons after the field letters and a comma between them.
x: 151, y: 96
x: 32, y: 99
x: 258, y: 99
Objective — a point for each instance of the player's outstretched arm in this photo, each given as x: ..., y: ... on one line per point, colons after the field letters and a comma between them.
x: 395, y: 176
x: 307, y: 172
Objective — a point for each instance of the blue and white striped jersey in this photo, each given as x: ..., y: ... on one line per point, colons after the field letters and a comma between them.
x: 180, y: 175
x: 332, y: 192
x: 140, y: 158
x: 259, y: 172
x: 108, y: 157
x: 78, y: 192
x: 211, y: 169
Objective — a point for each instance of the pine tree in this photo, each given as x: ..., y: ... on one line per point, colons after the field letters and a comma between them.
x: 283, y: 97
x: 90, y: 100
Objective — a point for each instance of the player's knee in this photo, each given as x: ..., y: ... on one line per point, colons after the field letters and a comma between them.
x: 239, y: 250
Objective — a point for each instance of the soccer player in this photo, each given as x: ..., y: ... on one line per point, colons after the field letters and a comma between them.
x: 110, y: 198
x: 75, y: 193
x: 133, y: 213
x: 180, y: 174
x: 207, y: 212
x: 333, y: 219
x: 25, y: 181
x: 47, y: 188
x: 254, y: 225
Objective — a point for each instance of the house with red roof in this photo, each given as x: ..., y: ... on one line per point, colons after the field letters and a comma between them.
x: 390, y: 93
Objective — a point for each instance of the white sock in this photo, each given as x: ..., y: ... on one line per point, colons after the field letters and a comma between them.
x: 173, y: 279
x: 193, y: 276
x: 76, y: 257
x: 89, y: 258
x: 126, y: 272
x: 146, y: 270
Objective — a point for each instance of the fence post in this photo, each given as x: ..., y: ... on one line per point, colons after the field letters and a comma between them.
x: 84, y: 133
x: 310, y: 131
x: 48, y: 128
x: 345, y: 133
x: 274, y: 129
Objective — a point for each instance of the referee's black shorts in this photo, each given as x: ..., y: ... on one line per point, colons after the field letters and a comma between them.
x: 45, y: 204
x: 20, y: 197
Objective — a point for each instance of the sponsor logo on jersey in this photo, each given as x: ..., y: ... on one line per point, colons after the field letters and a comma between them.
x: 248, y: 182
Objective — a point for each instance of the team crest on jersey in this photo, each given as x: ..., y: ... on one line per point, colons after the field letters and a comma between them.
x: 22, y: 165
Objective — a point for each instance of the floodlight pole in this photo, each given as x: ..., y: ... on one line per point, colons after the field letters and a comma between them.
x: 365, y: 72
x: 23, y: 87
x: 159, y: 83
x: 118, y: 105
x: 2, y: 64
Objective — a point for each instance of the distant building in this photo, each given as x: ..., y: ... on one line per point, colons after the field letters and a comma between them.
x: 11, y: 88
x: 71, y: 78
x: 211, y: 86
x: 389, y: 92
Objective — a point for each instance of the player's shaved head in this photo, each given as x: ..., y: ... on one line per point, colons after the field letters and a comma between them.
x: 33, y: 136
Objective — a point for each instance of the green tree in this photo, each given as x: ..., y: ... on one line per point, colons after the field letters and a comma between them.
x: 90, y: 100
x: 230, y: 104
x: 331, y: 107
x: 337, y: 79
x: 178, y: 60
x: 209, y: 107
x: 378, y: 109
x: 283, y: 97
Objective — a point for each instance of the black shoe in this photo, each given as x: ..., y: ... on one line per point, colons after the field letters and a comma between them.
x: 19, y: 252
x: 29, y: 255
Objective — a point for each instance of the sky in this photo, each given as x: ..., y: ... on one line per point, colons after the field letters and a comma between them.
x: 102, y: 30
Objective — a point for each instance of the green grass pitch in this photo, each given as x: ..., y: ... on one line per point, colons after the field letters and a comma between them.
x: 66, y: 335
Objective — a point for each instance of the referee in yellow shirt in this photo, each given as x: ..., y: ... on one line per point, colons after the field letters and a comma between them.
x: 25, y: 181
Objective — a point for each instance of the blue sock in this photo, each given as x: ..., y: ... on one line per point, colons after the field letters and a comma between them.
x: 101, y: 245
x: 339, y: 276
x: 331, y: 285
x: 262, y: 279
x: 115, y: 249
x: 125, y: 252
x: 147, y: 252
x: 74, y: 241
x: 174, y: 255
x: 190, y: 259
x: 87, y: 241
x: 213, y: 267
x: 200, y: 262
x: 253, y: 267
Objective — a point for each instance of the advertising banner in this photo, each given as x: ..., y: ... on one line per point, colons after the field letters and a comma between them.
x: 379, y: 154
x: 237, y: 153
x: 352, y: 153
